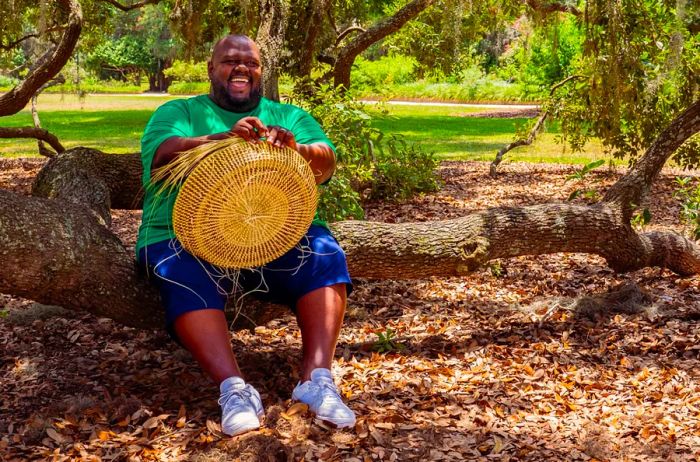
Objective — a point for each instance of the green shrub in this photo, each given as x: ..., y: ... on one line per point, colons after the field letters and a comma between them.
x: 6, y: 83
x: 689, y: 197
x: 184, y: 71
x: 188, y: 88
x: 370, y: 165
x: 92, y: 85
x: 382, y: 73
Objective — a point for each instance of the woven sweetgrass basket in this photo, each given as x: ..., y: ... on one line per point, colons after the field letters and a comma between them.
x: 244, y: 204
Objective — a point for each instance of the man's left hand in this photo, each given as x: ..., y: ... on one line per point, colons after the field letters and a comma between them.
x: 281, y: 137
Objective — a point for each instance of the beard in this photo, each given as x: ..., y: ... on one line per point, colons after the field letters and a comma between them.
x: 223, y: 98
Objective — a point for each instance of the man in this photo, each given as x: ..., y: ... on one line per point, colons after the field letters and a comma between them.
x: 193, y: 302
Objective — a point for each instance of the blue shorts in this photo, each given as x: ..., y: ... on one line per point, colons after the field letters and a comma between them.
x: 187, y: 283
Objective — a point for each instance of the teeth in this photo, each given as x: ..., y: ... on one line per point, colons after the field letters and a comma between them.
x: 238, y: 79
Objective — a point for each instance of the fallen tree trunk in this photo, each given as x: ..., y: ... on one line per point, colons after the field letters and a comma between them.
x: 58, y: 251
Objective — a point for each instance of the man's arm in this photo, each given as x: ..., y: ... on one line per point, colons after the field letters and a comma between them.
x: 248, y: 128
x: 320, y: 156
x: 321, y: 159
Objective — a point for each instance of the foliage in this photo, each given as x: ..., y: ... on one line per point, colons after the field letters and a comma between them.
x: 541, y: 56
x: 402, y: 169
x: 188, y: 88
x: 147, y: 47
x: 186, y: 71
x: 689, y: 196
x: 387, y: 342
x: 385, y: 72
x: 640, y: 219
x: 688, y: 155
x: 124, y: 56
x: 368, y: 164
x: 640, y: 68
x: 586, y: 190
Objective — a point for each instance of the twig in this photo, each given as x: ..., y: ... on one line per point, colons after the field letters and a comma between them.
x: 43, y: 150
x: 533, y: 132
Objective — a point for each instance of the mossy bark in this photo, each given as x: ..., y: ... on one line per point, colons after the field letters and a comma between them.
x: 57, y: 251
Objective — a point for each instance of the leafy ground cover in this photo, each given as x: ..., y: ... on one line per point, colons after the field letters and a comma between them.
x: 517, y: 361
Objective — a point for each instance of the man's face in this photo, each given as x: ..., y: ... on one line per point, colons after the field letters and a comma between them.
x: 235, y: 74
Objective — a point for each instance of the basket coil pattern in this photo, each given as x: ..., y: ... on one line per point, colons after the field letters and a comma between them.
x: 245, y: 205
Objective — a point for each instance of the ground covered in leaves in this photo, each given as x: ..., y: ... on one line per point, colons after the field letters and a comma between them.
x: 526, y: 359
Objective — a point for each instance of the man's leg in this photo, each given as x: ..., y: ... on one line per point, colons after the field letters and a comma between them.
x: 194, y: 314
x: 320, y: 316
x: 205, y: 334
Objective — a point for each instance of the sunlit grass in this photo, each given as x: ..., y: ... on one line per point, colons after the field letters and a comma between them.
x: 114, y: 123
x: 445, y: 131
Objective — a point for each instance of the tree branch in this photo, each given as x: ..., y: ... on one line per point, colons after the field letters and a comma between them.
x: 133, y: 6
x: 32, y: 132
x: 43, y: 150
x: 552, y: 7
x: 535, y: 129
x: 11, y: 45
x: 376, y: 32
x: 346, y: 32
x: 632, y: 187
x: 51, y: 62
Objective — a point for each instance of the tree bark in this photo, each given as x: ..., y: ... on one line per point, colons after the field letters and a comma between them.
x: 362, y: 41
x: 273, y: 16
x: 57, y: 251
x: 50, y: 63
x: 32, y: 132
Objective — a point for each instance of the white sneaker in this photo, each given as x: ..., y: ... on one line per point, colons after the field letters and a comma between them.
x: 323, y: 399
x: 241, y: 407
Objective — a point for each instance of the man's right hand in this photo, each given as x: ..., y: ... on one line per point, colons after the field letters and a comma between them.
x: 250, y: 129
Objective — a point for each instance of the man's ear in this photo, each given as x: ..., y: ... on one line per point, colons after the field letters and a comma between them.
x: 210, y: 68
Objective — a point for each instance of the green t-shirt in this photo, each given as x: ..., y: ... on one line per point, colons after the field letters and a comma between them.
x: 200, y: 116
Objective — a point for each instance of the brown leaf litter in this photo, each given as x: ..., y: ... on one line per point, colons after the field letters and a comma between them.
x: 526, y: 359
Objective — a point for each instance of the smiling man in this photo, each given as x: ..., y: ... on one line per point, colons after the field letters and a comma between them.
x: 315, y: 289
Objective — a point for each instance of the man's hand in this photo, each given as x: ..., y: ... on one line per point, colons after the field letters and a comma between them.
x: 281, y: 137
x: 250, y: 129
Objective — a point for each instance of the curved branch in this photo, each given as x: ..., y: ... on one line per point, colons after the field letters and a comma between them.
x: 632, y: 187
x: 133, y: 6
x: 11, y: 45
x: 32, y: 132
x: 379, y: 30
x: 552, y: 7
x: 346, y: 32
x: 51, y: 62
x: 535, y: 129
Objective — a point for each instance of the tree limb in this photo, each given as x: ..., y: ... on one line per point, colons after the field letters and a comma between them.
x: 376, y: 32
x: 32, y: 132
x: 133, y: 6
x: 552, y: 7
x: 51, y: 62
x: 533, y: 132
x: 632, y: 187
x: 43, y: 150
x: 346, y: 32
x: 11, y: 45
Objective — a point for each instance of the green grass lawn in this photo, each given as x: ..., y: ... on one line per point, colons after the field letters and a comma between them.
x: 110, y: 123
x: 114, y: 124
x: 447, y: 132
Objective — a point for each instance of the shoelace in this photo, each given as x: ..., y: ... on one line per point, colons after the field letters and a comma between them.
x: 235, y: 394
x: 328, y: 390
